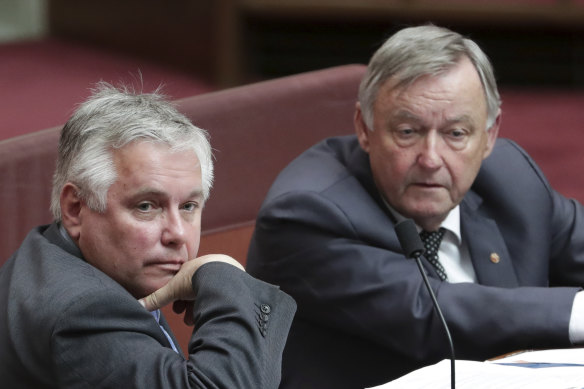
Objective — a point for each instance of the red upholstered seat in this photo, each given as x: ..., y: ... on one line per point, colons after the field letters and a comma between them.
x: 42, y: 81
x: 257, y: 129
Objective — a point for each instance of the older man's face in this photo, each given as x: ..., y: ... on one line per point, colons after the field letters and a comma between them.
x: 153, y: 218
x: 428, y: 142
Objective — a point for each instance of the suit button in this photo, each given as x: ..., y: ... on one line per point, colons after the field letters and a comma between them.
x: 265, y: 308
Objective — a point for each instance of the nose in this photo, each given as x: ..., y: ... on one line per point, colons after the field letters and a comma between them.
x: 174, y: 232
x: 429, y: 156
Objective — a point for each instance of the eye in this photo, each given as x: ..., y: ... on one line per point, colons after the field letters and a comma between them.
x: 456, y: 133
x: 191, y: 206
x: 145, y: 206
x: 404, y: 132
x: 457, y: 138
x: 406, y: 135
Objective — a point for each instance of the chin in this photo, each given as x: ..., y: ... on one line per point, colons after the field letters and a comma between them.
x: 420, y: 215
x: 157, y: 285
x: 142, y: 291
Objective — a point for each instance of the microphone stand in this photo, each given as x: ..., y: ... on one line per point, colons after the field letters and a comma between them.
x: 413, y: 247
x: 439, y: 312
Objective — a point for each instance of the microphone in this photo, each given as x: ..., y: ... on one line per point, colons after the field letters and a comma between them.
x: 412, y: 246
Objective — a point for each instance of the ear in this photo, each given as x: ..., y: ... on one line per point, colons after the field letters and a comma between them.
x: 71, y: 206
x: 492, y: 134
x: 361, y: 128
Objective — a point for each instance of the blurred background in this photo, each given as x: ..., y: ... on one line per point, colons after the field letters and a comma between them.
x: 53, y: 51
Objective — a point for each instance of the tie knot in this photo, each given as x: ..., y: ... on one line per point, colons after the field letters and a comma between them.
x: 433, y: 236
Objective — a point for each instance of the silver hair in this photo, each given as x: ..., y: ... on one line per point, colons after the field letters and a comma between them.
x: 111, y: 118
x: 424, y: 50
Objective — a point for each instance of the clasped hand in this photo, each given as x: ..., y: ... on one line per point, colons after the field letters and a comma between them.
x: 179, y: 289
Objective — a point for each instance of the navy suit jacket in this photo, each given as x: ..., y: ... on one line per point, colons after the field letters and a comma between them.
x: 66, y: 324
x: 364, y: 317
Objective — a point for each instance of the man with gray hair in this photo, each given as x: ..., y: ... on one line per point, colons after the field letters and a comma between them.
x: 80, y: 298
x: 509, y: 250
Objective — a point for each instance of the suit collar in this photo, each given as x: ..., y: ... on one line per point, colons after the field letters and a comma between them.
x: 57, y: 234
x: 359, y: 166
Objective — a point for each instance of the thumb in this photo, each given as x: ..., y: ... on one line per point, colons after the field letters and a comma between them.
x: 157, y: 299
x: 178, y: 288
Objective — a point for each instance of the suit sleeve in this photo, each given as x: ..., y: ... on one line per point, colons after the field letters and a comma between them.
x: 105, y: 339
x: 307, y: 243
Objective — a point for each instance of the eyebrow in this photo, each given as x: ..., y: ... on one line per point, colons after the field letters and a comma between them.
x: 158, y: 193
x: 407, y: 115
x: 403, y: 114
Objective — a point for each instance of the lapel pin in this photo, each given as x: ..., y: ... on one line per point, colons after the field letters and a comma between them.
x: 495, y: 258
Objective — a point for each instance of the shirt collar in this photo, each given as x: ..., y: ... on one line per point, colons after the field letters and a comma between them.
x: 451, y: 223
x: 156, y: 314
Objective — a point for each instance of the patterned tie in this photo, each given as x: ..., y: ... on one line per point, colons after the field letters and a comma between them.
x: 432, y: 243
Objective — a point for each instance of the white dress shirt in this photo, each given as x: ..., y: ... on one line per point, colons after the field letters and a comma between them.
x: 453, y: 252
x: 454, y: 256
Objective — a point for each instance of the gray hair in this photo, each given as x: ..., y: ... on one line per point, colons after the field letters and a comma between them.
x: 425, y: 50
x: 111, y: 118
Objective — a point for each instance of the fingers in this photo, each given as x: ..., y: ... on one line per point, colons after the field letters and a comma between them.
x: 179, y: 306
x: 188, y: 318
x: 180, y: 286
x: 220, y: 258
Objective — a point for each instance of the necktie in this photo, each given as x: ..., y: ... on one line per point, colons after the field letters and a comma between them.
x: 432, y: 241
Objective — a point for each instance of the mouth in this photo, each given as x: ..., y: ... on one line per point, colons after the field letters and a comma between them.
x: 171, y: 266
x: 427, y: 185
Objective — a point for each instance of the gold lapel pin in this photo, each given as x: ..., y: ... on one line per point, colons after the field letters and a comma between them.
x: 495, y: 258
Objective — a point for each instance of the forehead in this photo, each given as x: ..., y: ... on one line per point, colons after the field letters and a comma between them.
x: 457, y: 88
x: 157, y: 162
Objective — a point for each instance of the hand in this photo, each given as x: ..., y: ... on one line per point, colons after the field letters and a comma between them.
x: 180, y: 288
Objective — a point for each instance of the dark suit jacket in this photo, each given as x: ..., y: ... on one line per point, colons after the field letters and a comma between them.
x: 364, y: 316
x: 65, y: 324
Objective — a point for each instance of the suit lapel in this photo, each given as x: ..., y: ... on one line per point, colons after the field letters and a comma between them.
x: 488, y: 251
x: 165, y: 325
x: 360, y: 167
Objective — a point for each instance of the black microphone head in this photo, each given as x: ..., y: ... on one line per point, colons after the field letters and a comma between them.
x: 409, y: 239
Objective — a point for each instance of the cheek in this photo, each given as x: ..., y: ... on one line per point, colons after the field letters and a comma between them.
x: 195, y: 241
x: 102, y: 244
x: 123, y: 237
x: 193, y: 248
x: 395, y: 165
x: 463, y: 173
x: 137, y: 237
x: 384, y: 154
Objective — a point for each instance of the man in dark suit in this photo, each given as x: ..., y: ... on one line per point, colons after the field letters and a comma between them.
x: 511, y: 258
x: 132, y: 177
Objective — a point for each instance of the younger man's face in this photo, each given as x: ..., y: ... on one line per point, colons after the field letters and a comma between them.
x: 152, y: 223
